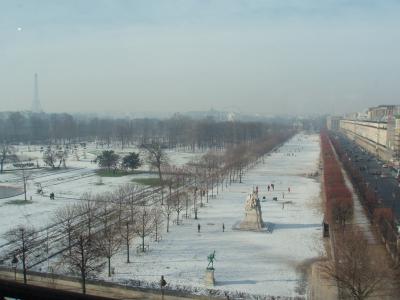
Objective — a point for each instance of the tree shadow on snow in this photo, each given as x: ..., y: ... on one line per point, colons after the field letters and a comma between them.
x: 296, y: 226
x: 233, y: 282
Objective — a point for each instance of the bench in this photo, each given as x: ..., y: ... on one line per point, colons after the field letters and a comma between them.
x: 139, y: 248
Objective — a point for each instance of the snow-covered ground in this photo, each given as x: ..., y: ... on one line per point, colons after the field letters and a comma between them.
x: 68, y: 185
x: 254, y: 262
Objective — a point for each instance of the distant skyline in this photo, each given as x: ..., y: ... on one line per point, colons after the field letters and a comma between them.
x: 258, y: 56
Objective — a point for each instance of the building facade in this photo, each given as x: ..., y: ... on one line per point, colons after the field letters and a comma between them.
x: 377, y: 131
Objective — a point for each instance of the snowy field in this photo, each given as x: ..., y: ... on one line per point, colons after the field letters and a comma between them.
x: 68, y: 185
x: 254, y: 262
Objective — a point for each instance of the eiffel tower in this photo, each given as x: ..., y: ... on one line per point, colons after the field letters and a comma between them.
x: 36, y: 107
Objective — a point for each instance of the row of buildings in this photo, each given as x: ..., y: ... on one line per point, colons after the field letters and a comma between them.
x: 377, y: 130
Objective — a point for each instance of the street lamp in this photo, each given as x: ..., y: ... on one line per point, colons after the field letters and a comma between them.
x: 14, y: 263
x: 163, y: 283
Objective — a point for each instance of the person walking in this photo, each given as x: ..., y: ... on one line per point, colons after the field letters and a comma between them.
x: 198, y: 228
x: 268, y: 187
x: 223, y: 227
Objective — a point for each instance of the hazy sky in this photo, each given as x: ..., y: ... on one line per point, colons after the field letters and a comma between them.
x: 260, y: 56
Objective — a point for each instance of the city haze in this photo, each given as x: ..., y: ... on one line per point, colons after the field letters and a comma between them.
x: 266, y: 57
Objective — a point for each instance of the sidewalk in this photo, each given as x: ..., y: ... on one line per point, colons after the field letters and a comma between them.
x: 377, y: 249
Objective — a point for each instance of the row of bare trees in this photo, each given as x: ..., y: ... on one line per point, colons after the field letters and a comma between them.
x: 338, y: 198
x: 106, y: 224
x: 177, y: 131
x: 378, y: 211
x: 358, y: 270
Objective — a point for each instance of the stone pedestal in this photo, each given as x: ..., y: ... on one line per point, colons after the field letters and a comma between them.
x: 252, y: 220
x: 209, y: 277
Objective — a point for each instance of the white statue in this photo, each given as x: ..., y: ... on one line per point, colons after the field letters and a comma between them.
x: 253, y: 216
x: 251, y: 202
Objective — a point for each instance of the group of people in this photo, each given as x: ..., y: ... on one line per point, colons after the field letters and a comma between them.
x: 271, y: 187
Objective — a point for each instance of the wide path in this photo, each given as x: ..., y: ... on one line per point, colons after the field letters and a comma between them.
x: 254, y: 262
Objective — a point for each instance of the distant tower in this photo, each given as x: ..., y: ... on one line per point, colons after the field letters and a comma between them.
x: 36, y: 107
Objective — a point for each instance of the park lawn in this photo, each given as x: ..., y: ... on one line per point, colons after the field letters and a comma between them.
x: 19, y: 202
x: 151, y: 181
x: 117, y: 173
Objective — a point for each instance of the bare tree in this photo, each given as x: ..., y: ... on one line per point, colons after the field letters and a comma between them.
x: 178, y: 204
x: 7, y: 153
x: 168, y: 206
x: 358, y: 274
x: 127, y: 233
x: 87, y: 210
x: 145, y: 223
x: 156, y: 157
x: 211, y: 161
x: 84, y: 258
x: 119, y: 199
x: 158, y: 217
x: 195, y: 208
x: 131, y: 192
x: 54, y: 157
x: 186, y: 199
x: 240, y: 159
x: 108, y: 243
x: 24, y: 238
x: 342, y: 210
x: 25, y: 176
x: 65, y: 216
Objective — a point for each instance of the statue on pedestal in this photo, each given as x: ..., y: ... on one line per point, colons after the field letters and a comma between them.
x: 209, y: 278
x: 253, y: 216
x: 211, y: 258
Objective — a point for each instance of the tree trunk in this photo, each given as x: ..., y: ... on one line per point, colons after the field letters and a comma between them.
x: 127, y: 251
x: 25, y: 188
x: 207, y: 191
x: 24, y: 265
x: 212, y: 187
x: 83, y: 269
x: 159, y: 172
x: 69, y: 240
x: 187, y: 206
x: 127, y: 242
x: 109, y: 266
x: 143, y: 232
x: 168, y: 222
x: 83, y: 282
x: 23, y: 256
